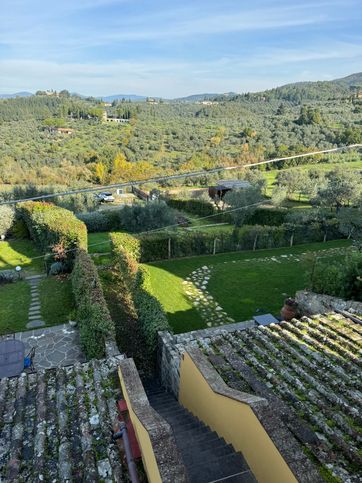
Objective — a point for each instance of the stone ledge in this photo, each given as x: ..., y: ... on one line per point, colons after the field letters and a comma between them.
x: 160, y: 433
x: 311, y: 303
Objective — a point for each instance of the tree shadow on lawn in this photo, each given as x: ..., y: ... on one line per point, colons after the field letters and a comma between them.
x: 22, y: 252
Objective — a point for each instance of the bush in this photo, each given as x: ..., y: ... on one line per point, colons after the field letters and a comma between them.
x: 95, y: 323
x: 136, y: 285
x: 268, y: 216
x: 7, y: 218
x: 340, y: 278
x: 51, y: 226
x: 99, y: 220
x: 8, y: 276
x: 150, y: 216
x: 194, y: 207
x: 151, y: 316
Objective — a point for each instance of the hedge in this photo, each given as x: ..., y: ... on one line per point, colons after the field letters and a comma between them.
x: 195, y: 207
x: 100, y: 220
x: 7, y: 218
x: 94, y: 320
x: 161, y: 246
x: 150, y: 315
x: 49, y: 225
x: 268, y: 216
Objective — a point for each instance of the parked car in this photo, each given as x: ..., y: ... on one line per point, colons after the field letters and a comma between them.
x: 105, y: 197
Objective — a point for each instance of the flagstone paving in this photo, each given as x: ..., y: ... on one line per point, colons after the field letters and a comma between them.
x: 54, y: 346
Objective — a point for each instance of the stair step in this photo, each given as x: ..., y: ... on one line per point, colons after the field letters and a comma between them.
x: 213, y: 469
x: 202, y: 436
x: 245, y: 477
x: 196, y: 454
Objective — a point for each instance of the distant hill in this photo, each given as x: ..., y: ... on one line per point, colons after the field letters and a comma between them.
x: 307, y: 91
x: 17, y: 94
x: 202, y: 97
x: 128, y: 97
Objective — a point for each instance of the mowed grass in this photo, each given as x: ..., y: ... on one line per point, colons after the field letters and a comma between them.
x: 14, y: 307
x: 20, y: 252
x: 56, y: 299
x: 99, y: 242
x: 241, y: 288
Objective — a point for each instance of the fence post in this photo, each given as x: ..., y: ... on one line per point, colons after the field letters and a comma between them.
x: 292, y: 239
x: 169, y: 248
x: 214, y: 249
x: 255, y: 242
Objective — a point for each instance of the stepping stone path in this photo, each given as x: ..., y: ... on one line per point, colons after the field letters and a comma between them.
x: 214, y: 315
x: 35, y: 319
x: 196, y: 290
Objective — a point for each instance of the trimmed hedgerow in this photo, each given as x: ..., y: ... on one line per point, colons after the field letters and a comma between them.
x: 96, y: 221
x: 192, y: 206
x: 150, y: 315
x: 268, y: 216
x: 94, y: 320
x: 50, y: 225
x: 7, y: 218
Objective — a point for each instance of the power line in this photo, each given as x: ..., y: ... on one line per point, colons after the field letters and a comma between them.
x: 154, y: 230
x: 176, y: 176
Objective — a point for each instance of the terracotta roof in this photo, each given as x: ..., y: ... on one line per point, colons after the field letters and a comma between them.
x: 310, y: 372
x: 55, y: 425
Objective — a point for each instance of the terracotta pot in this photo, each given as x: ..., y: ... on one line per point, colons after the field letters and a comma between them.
x: 288, y: 312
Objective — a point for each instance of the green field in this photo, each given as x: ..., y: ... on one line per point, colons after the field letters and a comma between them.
x: 20, y: 252
x: 14, y: 306
x: 56, y: 300
x: 243, y: 288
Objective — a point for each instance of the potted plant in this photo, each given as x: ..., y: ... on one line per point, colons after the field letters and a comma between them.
x: 289, y: 310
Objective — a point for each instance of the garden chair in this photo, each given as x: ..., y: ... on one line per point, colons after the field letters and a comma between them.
x: 29, y: 360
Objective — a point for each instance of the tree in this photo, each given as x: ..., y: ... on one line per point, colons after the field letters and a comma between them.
x: 350, y: 224
x: 100, y: 172
x: 279, y: 196
x: 152, y: 215
x: 244, y: 202
x: 342, y: 189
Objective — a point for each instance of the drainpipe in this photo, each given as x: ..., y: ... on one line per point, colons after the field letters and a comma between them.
x: 122, y: 433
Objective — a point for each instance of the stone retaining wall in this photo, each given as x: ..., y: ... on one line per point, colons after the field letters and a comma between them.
x: 311, y: 303
x: 171, y: 347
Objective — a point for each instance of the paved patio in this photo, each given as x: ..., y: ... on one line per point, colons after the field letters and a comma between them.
x: 55, y: 346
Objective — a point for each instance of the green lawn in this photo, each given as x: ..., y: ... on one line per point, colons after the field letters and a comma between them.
x: 56, y: 300
x: 241, y: 288
x: 20, y: 252
x: 99, y: 242
x: 14, y: 306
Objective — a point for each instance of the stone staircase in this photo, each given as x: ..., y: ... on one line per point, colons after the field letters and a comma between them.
x: 207, y: 457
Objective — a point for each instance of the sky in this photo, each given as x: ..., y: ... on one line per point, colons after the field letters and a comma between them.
x: 172, y: 48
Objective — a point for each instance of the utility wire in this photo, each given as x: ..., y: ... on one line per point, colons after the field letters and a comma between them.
x: 154, y: 230
x: 176, y: 176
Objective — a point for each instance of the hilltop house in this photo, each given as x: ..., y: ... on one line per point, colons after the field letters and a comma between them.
x: 118, y: 120
x: 224, y: 185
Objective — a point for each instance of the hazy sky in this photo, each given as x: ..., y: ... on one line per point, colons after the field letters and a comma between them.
x: 171, y: 48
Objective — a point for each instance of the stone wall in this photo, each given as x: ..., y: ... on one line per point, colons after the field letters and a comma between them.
x: 311, y: 303
x: 171, y: 347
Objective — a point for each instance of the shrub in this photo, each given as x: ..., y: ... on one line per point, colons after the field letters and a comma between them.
x: 95, y: 323
x: 136, y: 285
x: 151, y: 316
x: 194, y: 207
x: 150, y: 216
x: 268, y: 216
x: 99, y: 220
x: 8, y: 276
x: 339, y: 278
x: 7, y: 218
x: 49, y: 225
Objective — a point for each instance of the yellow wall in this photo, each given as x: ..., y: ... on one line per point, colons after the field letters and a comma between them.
x: 236, y: 422
x: 144, y: 441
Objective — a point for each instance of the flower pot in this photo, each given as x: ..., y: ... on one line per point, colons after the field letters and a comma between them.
x: 288, y: 312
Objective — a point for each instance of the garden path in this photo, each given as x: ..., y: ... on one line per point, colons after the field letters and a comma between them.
x: 35, y: 319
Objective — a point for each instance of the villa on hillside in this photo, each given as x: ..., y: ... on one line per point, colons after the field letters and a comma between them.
x: 224, y: 185
x: 118, y: 120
